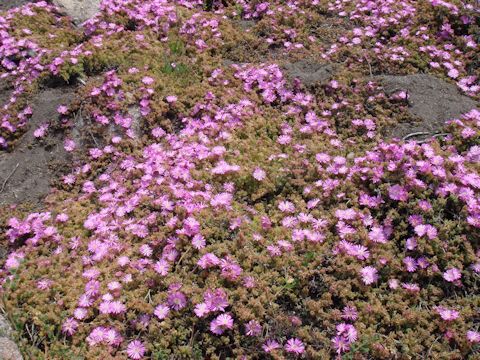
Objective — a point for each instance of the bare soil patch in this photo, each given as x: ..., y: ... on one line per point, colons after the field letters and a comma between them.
x: 431, y: 100
x: 27, y: 171
x: 10, y: 4
x: 309, y: 72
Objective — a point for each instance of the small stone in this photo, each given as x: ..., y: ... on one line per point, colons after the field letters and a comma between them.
x: 78, y: 10
x: 5, y: 328
x: 9, y: 350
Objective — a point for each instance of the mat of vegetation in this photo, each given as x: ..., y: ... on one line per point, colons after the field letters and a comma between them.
x: 232, y: 180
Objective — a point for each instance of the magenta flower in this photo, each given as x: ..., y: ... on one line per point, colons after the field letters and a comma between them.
x: 473, y: 336
x: 201, y: 310
x: 171, y: 99
x: 340, y: 344
x: 286, y: 206
x: 452, y: 275
x: 397, y: 192
x: 40, y: 131
x: 271, y: 345
x: 369, y: 275
x: 259, y: 174
x: 411, y: 287
x: 216, y: 300
x: 294, y: 346
x: 447, y: 314
x: 80, y: 313
x: 208, y: 260
x: 147, y: 80
x: 410, y: 264
x: 162, y: 267
x: 62, y: 109
x: 377, y: 235
x: 198, y: 241
x: 177, y: 300
x: 253, y: 328
x: 69, y: 326
x: 135, y: 350
x: 349, y: 313
x: 348, y: 331
x: 161, y: 311
x: 221, y: 323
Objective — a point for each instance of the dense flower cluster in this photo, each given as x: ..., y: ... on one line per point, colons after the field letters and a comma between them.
x: 233, y: 213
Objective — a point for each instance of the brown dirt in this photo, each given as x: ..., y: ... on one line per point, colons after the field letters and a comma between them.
x: 431, y: 100
x: 27, y: 172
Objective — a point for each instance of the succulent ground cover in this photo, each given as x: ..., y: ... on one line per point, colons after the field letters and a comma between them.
x: 218, y: 207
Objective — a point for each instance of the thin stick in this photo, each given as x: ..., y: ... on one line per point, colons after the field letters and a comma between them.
x: 369, y: 65
x: 93, y: 137
x: 415, y: 134
x: 441, y: 134
x: 8, y: 177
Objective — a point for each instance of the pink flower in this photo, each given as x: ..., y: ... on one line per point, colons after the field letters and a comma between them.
x: 146, y: 250
x: 221, y: 323
x: 410, y: 263
x: 270, y: 345
x: 201, y: 310
x: 286, y: 206
x: 80, y: 313
x: 294, y: 346
x: 284, y: 139
x: 171, y: 99
x: 158, y: 132
x: 253, y: 328
x: 208, y: 260
x: 452, y: 275
x: 216, y: 300
x: 397, y: 192
x: 147, y: 80
x: 340, y: 344
x: 349, y: 313
x: 135, y: 350
x: 191, y: 226
x: 348, y: 331
x: 44, y: 284
x: 447, y: 314
x: 222, y: 200
x: 473, y: 337
x: 453, y: 73
x: 69, y: 326
x: 112, y: 337
x: 161, y: 311
x: 369, y: 275
x: 230, y: 269
x: 162, y: 267
x: 198, y: 241
x: 426, y: 229
x: 177, y: 300
x: 411, y: 287
x: 259, y: 174
x: 393, y: 284
x: 40, y: 131
x: 377, y: 235
x: 62, y: 109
